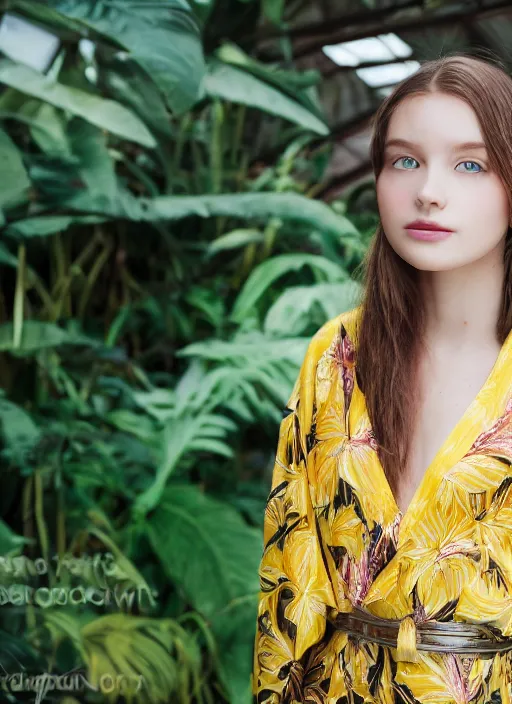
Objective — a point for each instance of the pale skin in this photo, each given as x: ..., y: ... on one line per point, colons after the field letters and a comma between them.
x: 430, y: 178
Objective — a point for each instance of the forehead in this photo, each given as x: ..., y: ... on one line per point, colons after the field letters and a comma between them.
x: 435, y: 119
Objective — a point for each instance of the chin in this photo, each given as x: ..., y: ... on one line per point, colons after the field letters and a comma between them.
x: 428, y: 261
x: 432, y: 267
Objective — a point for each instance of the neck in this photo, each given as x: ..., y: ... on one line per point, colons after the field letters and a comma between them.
x: 463, y: 304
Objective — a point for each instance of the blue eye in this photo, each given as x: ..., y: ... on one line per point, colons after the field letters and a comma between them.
x: 475, y: 164
x: 465, y: 163
x: 404, y: 158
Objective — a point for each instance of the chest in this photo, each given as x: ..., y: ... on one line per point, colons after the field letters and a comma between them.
x: 446, y: 390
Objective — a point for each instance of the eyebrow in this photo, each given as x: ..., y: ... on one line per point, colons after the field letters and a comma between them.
x: 464, y: 146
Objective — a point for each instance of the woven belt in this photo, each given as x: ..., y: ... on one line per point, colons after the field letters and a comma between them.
x: 408, y: 637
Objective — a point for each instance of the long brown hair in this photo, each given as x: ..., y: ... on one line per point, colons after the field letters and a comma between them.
x: 390, y: 333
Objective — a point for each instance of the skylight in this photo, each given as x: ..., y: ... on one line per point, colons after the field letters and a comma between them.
x: 376, y: 76
x: 27, y: 43
x: 384, y: 47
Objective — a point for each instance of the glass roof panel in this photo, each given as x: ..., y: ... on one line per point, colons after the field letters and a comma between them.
x: 340, y: 56
x: 384, y: 47
x: 376, y: 76
x: 397, y: 45
x: 369, y: 49
x: 27, y: 43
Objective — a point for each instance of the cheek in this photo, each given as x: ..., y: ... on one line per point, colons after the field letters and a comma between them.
x: 503, y: 202
x: 491, y: 204
x: 392, y: 194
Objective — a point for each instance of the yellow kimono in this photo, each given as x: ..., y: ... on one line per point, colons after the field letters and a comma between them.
x: 335, y: 539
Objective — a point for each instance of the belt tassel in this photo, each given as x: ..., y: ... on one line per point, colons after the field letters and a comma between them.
x: 406, y: 641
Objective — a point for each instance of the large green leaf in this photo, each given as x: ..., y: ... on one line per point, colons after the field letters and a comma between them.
x: 7, y: 258
x: 253, y: 375
x: 286, y: 206
x: 226, y: 550
x: 127, y: 82
x: 203, y: 9
x: 48, y: 129
x: 273, y: 9
x: 96, y: 167
x: 158, y: 658
x: 252, y: 345
x: 38, y: 335
x: 292, y: 312
x: 13, y: 175
x: 46, y: 225
x: 9, y: 541
x: 107, y: 114
x: 19, y: 432
x: 234, y: 629
x: 162, y: 37
x: 187, y: 432
x: 238, y: 86
x: 269, y: 271
x: 156, y: 653
x: 15, y: 649
x: 87, y: 158
x: 299, y: 86
x: 77, y: 139
x: 235, y: 239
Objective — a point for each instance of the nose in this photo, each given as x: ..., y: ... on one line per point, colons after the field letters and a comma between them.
x: 430, y: 190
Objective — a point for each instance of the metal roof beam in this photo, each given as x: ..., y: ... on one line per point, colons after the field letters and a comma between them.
x: 336, y: 34
x: 323, y: 26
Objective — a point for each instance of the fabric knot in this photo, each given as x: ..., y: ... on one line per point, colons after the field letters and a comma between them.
x: 406, y: 641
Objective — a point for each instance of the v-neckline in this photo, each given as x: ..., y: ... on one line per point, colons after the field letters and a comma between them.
x: 406, y: 516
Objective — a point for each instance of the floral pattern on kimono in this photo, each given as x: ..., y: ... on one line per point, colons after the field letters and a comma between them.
x: 334, y: 539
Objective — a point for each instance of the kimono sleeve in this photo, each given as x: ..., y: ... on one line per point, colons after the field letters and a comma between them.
x: 295, y: 590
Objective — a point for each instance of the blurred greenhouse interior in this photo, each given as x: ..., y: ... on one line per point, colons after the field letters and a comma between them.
x: 186, y: 197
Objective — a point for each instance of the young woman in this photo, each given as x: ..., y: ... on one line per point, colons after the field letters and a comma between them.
x: 387, y: 569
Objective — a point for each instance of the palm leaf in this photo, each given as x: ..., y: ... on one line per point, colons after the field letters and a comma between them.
x: 106, y: 114
x: 292, y: 312
x: 267, y: 273
x: 184, y: 433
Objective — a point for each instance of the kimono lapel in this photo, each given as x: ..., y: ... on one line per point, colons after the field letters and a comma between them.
x: 328, y: 347
x: 487, y: 406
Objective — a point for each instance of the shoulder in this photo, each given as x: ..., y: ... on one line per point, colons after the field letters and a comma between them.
x: 332, y: 328
x: 321, y: 342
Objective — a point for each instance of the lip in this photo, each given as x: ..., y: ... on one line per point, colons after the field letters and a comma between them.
x: 427, y: 230
x: 428, y: 235
x: 427, y: 225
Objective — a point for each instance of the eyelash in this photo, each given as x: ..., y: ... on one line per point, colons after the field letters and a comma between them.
x: 468, y: 161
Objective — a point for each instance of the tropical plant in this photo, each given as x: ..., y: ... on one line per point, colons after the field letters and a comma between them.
x: 160, y: 282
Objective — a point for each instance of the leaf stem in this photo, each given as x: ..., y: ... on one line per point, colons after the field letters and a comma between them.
x: 19, y: 298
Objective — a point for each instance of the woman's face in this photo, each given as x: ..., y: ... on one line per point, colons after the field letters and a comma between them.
x: 431, y: 177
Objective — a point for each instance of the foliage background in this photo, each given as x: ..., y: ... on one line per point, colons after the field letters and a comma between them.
x: 164, y: 263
